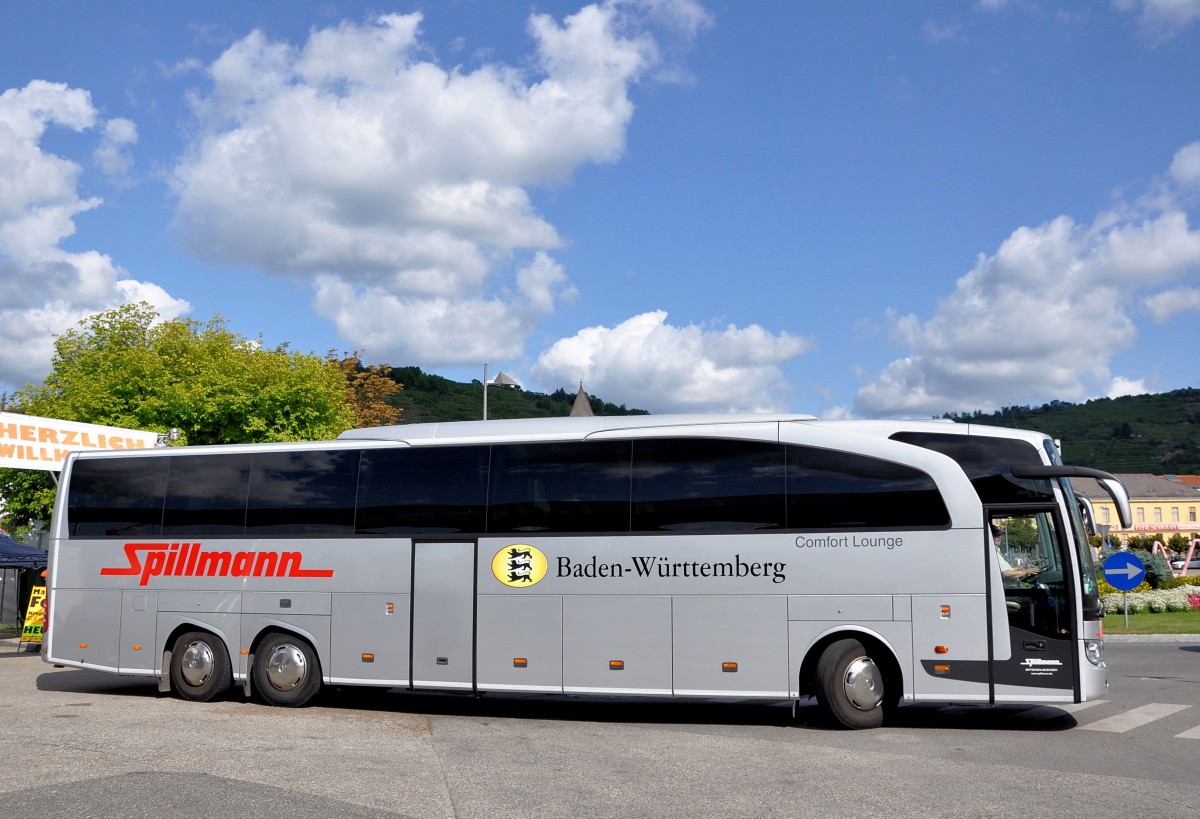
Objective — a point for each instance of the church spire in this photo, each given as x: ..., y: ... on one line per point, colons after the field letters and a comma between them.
x: 582, y: 406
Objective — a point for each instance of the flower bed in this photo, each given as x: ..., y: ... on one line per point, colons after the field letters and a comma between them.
x: 1181, y: 598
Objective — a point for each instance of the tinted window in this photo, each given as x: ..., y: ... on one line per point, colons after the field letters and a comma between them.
x: 117, y: 497
x: 707, y: 485
x: 206, y: 495
x: 828, y: 489
x: 307, y: 492
x: 986, y: 462
x: 578, y: 486
x: 430, y: 491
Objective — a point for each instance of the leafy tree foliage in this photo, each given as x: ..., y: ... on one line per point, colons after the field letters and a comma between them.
x: 28, y: 498
x: 369, y: 388
x: 126, y: 368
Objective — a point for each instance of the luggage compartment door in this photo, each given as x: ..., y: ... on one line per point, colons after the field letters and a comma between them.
x: 443, y: 615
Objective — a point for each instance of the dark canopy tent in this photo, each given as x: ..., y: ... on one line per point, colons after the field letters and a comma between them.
x: 15, y: 585
x: 15, y: 555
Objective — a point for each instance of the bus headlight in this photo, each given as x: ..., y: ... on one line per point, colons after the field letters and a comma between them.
x: 1094, y: 649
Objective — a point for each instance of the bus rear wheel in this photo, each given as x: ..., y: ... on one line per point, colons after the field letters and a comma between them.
x: 286, y: 670
x: 199, y: 666
x: 850, y: 685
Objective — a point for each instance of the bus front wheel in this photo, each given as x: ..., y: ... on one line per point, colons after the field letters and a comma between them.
x: 286, y: 670
x: 199, y: 666
x: 850, y: 685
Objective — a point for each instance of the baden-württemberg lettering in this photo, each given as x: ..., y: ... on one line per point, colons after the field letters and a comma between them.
x: 658, y: 566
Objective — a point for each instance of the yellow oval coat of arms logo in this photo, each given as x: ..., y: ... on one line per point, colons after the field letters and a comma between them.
x: 519, y: 565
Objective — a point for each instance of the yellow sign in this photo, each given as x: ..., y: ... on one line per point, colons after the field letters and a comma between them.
x: 519, y: 565
x: 32, y: 633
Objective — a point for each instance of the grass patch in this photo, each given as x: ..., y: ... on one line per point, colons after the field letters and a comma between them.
x: 1169, y: 622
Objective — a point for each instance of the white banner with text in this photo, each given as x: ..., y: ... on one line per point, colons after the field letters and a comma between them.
x: 29, y: 442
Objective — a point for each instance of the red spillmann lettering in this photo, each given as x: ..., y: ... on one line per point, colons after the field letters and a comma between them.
x: 147, y: 560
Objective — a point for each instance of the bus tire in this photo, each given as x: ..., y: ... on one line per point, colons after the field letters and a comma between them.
x: 200, y: 666
x: 850, y: 685
x: 286, y: 670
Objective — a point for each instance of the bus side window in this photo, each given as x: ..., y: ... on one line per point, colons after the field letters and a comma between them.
x: 575, y: 486
x: 829, y: 489
x: 117, y: 497
x: 206, y: 495
x: 438, y: 490
x: 304, y: 492
x: 706, y: 484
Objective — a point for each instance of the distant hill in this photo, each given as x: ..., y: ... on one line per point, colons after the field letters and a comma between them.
x: 1158, y: 433
x: 428, y: 398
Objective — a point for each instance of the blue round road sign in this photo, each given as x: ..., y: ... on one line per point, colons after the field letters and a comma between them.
x: 1124, y: 571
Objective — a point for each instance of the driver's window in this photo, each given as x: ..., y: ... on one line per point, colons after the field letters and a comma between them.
x: 1027, y: 554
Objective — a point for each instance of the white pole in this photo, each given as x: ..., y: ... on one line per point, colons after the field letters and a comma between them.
x: 485, y: 392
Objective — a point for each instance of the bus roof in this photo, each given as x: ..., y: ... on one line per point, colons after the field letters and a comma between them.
x: 556, y: 427
x: 938, y: 426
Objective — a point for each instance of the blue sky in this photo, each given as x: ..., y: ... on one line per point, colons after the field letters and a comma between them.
x: 855, y: 210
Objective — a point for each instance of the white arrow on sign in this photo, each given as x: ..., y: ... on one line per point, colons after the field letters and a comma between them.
x: 1129, y: 570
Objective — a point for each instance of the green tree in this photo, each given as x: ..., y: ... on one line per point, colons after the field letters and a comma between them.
x: 28, y: 497
x: 126, y: 368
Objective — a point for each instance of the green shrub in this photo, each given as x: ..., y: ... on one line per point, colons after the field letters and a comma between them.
x: 1158, y: 570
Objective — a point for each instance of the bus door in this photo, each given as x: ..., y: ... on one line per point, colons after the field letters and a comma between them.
x: 443, y: 615
x: 1033, y: 646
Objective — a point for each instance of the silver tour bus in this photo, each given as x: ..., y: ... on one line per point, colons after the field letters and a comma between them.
x: 864, y: 563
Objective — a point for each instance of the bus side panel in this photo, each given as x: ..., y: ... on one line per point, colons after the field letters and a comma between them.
x: 712, y: 632
x: 139, y: 619
x: 370, y: 639
x: 618, y: 644
x: 516, y: 628
x: 956, y: 623
x: 86, y: 627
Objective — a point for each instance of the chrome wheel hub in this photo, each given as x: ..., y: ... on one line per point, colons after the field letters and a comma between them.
x: 197, y: 663
x: 286, y: 668
x: 863, y: 684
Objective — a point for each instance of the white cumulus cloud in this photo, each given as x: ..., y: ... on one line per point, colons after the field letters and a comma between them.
x: 1161, y: 20
x: 399, y: 188
x: 45, y: 289
x: 1185, y: 167
x: 646, y: 363
x: 112, y: 156
x: 1045, y: 314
